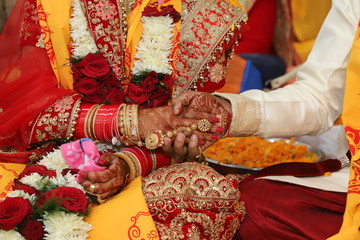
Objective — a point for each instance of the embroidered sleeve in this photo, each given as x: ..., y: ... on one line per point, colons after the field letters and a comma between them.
x: 57, y: 122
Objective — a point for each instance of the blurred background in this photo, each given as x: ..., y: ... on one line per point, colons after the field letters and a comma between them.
x: 5, y: 8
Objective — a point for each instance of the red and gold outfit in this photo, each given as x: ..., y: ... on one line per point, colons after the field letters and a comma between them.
x: 48, y: 112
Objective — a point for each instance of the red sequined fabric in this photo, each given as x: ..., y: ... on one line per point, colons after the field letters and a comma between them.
x: 193, y: 201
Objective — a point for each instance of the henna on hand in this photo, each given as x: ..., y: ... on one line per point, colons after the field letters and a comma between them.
x: 109, y: 181
x: 193, y: 104
x: 163, y: 118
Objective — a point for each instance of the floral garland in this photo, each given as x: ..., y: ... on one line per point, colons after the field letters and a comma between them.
x: 46, y: 201
x: 83, y: 43
x: 151, y: 83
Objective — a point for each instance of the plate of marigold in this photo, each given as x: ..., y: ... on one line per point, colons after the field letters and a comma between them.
x: 249, y: 154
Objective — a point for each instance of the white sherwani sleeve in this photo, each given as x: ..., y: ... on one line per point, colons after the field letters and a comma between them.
x: 314, y: 102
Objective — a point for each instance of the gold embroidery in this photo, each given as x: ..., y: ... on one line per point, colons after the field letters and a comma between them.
x: 58, y: 120
x: 29, y: 20
x: 206, y: 26
x: 105, y: 20
x: 183, y: 194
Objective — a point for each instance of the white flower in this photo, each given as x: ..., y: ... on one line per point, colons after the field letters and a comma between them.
x: 54, y: 160
x: 20, y: 193
x: 83, y: 43
x: 69, y: 180
x: 35, y: 180
x: 61, y: 225
x: 155, y: 46
x: 10, y: 235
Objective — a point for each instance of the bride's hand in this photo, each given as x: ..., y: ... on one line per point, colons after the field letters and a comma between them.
x: 108, y: 182
x: 195, y: 105
x: 163, y: 118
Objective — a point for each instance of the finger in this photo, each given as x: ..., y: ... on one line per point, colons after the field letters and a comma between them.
x: 193, y: 113
x: 179, y: 145
x: 167, y: 145
x: 104, y: 175
x: 87, y: 186
x: 110, y: 188
x: 181, y: 101
x: 105, y: 159
x: 208, y: 136
x: 193, y: 149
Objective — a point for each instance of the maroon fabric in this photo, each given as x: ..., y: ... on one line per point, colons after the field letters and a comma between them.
x: 298, y: 169
x: 278, y: 210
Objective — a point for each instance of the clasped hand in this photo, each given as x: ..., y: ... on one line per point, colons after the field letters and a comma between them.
x: 186, y: 110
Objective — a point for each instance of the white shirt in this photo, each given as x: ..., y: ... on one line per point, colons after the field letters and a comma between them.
x: 312, y: 104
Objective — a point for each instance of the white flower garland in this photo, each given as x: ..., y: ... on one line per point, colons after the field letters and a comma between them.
x: 155, y: 45
x: 54, y: 160
x: 10, y: 235
x: 83, y: 43
x: 61, y: 225
x: 153, y: 50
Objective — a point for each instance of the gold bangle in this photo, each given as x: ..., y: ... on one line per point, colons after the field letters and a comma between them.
x: 129, y: 125
x: 88, y: 122
x: 131, y: 160
x: 154, y: 160
x: 73, y: 119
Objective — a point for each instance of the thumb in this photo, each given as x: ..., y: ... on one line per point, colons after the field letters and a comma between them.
x: 180, y: 102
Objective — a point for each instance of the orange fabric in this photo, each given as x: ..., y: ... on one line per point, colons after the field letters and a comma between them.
x: 8, y: 171
x: 125, y: 216
x: 55, y: 29
x: 351, y: 119
x: 234, y: 75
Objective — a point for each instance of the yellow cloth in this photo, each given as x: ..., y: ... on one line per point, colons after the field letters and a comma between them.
x: 54, y: 21
x: 8, y: 171
x: 351, y: 120
x: 308, y: 17
x: 120, y: 217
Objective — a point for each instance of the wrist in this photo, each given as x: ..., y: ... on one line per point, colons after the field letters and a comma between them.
x: 126, y: 170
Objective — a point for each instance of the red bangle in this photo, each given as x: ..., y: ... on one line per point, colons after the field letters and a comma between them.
x: 80, y: 125
x: 104, y: 122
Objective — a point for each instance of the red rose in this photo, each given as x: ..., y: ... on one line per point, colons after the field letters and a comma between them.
x: 164, y: 10
x: 77, y: 75
x: 37, y: 168
x: 94, y: 66
x: 87, y: 86
x: 13, y: 210
x: 20, y: 186
x: 158, y: 99
x: 110, y: 80
x: 150, y: 81
x: 73, y: 199
x: 137, y: 94
x: 169, y: 82
x: 115, y: 96
x: 32, y: 230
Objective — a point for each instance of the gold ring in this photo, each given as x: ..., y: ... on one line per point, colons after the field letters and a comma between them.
x: 92, y: 188
x: 204, y: 125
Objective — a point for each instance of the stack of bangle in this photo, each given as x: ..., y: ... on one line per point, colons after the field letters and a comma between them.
x: 98, y: 122
x: 104, y: 122
x: 129, y: 129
